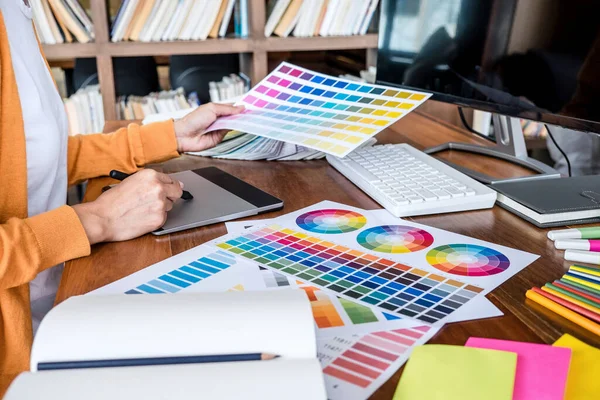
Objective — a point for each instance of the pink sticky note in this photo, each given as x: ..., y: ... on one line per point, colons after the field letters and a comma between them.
x: 541, y: 369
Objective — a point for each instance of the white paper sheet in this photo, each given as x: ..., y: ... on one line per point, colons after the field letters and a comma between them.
x: 318, y: 111
x: 260, y: 380
x: 105, y: 327
x: 448, y: 290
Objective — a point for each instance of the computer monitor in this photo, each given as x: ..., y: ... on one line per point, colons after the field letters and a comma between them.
x: 530, y: 59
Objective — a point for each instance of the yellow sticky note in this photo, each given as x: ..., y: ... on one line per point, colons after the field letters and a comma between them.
x: 436, y: 372
x: 583, y: 382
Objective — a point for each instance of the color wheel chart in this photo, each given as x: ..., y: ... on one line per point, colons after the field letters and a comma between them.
x: 353, y: 274
x: 356, y: 366
x: 395, y: 239
x: 318, y: 111
x: 468, y: 260
x: 331, y: 221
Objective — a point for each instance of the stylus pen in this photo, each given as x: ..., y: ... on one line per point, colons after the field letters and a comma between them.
x: 136, y: 362
x: 118, y: 175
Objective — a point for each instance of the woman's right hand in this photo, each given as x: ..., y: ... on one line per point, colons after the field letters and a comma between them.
x: 134, y: 207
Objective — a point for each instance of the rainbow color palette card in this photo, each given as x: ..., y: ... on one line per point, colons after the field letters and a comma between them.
x: 203, y: 269
x: 318, y: 111
x: 401, y: 268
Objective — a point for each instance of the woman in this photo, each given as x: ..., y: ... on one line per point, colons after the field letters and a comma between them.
x: 38, y: 232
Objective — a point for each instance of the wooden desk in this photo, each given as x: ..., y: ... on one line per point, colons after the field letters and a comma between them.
x: 301, y: 184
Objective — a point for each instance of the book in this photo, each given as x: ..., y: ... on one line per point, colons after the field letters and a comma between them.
x: 140, y: 347
x: 141, y: 19
x: 289, y: 19
x: 275, y: 16
x: 226, y: 18
x: 369, y: 17
x: 552, y: 202
x: 136, y: 15
x: 214, y: 31
x: 69, y: 21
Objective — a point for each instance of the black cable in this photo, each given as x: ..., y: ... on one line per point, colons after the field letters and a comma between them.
x: 559, y: 149
x: 464, y: 121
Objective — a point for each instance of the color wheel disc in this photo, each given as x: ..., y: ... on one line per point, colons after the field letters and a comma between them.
x: 331, y: 221
x: 395, y: 239
x: 468, y: 260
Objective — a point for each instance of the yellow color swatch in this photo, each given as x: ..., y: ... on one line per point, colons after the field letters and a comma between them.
x: 403, y: 95
x: 390, y: 93
x: 379, y: 113
x: 417, y: 97
x: 224, y: 246
x: 324, y: 145
x: 325, y: 133
x: 367, y: 120
x: 378, y: 102
x: 392, y: 104
x: 393, y: 114
x: 353, y: 139
x: 368, y: 131
x: 339, y: 136
x: 339, y: 149
x: 339, y: 126
x: 582, y: 382
x: 353, y: 118
x: 310, y: 142
x: 381, y: 122
x: 406, y: 106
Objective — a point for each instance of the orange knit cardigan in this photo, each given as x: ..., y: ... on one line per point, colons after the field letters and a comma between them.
x: 31, y: 245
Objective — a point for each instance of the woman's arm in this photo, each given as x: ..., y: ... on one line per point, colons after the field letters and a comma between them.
x: 29, y: 246
x: 127, y: 149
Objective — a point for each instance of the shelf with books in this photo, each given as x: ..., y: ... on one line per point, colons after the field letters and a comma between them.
x: 368, y: 41
x: 65, y: 51
x: 209, y: 46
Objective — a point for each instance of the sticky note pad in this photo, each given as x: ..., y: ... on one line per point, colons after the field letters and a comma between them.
x: 584, y: 375
x: 541, y: 369
x: 440, y: 372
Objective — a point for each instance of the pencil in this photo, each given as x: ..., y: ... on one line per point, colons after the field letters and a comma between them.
x: 587, y: 304
x: 118, y: 175
x: 576, y: 290
x: 135, y: 362
x: 543, y: 300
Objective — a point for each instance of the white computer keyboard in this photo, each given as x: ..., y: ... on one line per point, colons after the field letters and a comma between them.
x: 407, y: 181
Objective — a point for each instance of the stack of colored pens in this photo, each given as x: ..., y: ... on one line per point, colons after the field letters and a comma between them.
x: 575, y: 296
x: 580, y: 245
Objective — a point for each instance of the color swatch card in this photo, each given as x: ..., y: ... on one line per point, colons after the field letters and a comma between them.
x: 440, y: 372
x: 355, y: 366
x: 318, y: 111
x: 583, y: 382
x: 203, y: 269
x: 374, y: 261
x: 478, y: 308
x: 542, y: 370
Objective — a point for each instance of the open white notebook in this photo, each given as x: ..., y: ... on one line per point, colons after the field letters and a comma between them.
x: 94, y: 329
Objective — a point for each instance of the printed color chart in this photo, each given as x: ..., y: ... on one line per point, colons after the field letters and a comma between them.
x: 395, y: 239
x: 318, y: 111
x: 356, y: 362
x: 468, y: 260
x: 372, y: 280
x: 331, y: 221
x: 186, y: 275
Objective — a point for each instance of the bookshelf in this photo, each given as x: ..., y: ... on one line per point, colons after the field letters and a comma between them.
x: 253, y: 50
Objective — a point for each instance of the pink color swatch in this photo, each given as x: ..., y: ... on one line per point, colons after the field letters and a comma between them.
x: 542, y: 369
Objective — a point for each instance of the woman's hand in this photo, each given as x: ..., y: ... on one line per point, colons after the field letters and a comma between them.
x: 136, y: 206
x: 189, y: 129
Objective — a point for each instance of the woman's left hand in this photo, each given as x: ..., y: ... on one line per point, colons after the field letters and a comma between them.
x: 189, y: 129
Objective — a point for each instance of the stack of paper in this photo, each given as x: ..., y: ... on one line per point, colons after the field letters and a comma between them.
x: 156, y: 20
x: 320, y: 17
x: 242, y: 146
x: 85, y: 111
x: 57, y: 21
x: 166, y: 101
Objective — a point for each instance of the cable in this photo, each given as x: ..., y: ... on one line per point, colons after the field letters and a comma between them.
x: 464, y: 121
x: 559, y: 149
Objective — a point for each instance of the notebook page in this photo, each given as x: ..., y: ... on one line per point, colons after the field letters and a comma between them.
x: 264, y: 380
x: 126, y: 326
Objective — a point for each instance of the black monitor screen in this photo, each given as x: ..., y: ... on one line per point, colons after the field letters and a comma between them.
x: 534, y: 59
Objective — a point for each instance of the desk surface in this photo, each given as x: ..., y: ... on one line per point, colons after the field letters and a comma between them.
x: 301, y: 184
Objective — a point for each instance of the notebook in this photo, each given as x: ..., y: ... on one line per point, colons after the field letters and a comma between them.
x: 122, y: 328
x: 552, y: 202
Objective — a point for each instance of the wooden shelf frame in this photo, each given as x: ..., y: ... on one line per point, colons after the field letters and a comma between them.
x: 253, y: 50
